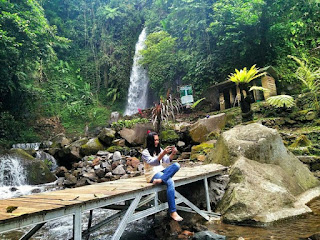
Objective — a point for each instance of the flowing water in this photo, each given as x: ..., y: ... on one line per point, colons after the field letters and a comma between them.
x: 13, y: 184
x: 138, y: 89
x: 296, y: 228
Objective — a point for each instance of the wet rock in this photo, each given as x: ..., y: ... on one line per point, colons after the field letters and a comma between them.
x: 37, y: 172
x: 70, y: 180
x: 13, y: 189
x: 174, y: 228
x: 61, y: 171
x: 208, y: 235
x: 36, y: 190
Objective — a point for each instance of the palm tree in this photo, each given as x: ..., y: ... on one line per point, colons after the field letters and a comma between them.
x: 242, y: 78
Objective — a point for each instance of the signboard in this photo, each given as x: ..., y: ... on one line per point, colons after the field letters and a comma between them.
x: 186, y: 95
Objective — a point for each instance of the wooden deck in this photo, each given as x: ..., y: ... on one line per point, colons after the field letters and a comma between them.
x: 43, y: 207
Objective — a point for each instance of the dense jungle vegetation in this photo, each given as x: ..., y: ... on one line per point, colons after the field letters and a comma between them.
x: 72, y: 59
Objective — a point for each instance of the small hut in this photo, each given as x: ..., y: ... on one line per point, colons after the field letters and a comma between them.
x: 227, y: 94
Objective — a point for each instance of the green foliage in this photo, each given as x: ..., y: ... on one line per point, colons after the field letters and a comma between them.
x: 281, y: 101
x: 195, y: 104
x: 162, y: 60
x: 245, y: 76
x: 310, y: 77
x: 73, y: 58
x: 258, y: 88
x: 128, y: 123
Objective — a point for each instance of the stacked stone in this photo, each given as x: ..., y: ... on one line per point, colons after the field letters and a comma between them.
x: 102, y: 167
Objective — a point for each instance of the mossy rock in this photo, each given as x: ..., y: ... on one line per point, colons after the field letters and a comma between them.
x: 299, y: 151
x: 115, y: 148
x: 300, y: 115
x: 37, y: 172
x: 301, y: 141
x: 91, y: 147
x: 201, y: 149
x: 169, y: 136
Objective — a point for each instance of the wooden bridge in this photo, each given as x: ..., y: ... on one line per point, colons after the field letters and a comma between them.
x: 141, y: 200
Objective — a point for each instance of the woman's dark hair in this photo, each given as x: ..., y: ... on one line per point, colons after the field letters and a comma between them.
x: 150, y: 144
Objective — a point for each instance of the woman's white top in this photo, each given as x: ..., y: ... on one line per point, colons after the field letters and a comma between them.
x: 152, y: 165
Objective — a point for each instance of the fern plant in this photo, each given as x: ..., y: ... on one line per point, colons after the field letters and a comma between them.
x: 245, y: 76
x: 310, y: 77
x: 281, y: 101
x: 194, y: 105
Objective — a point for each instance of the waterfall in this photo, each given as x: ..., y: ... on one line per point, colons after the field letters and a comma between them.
x: 26, y: 146
x: 138, y: 90
x: 13, y: 179
x: 12, y: 172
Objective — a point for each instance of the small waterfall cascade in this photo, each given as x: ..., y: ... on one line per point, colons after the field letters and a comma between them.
x: 138, y: 89
x: 12, y: 172
x: 13, y: 180
x: 26, y: 146
x: 51, y: 161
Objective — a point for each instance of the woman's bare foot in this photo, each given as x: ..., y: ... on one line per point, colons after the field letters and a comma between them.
x: 157, y: 181
x: 175, y: 216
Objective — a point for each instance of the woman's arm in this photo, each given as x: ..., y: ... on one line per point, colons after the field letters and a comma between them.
x: 168, y: 159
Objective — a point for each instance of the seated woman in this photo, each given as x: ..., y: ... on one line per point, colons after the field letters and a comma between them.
x: 153, y: 157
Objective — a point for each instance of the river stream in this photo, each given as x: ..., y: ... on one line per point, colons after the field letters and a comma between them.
x: 296, y: 228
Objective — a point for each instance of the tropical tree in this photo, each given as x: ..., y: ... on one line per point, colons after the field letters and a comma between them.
x: 161, y: 58
x: 242, y: 78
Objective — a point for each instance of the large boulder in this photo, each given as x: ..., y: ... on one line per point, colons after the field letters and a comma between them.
x: 267, y: 182
x: 37, y: 172
x: 203, y: 127
x: 91, y: 147
x: 70, y: 153
x: 137, y: 135
x: 106, y: 136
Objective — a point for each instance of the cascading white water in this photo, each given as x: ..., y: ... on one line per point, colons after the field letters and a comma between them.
x: 12, y: 172
x: 138, y: 90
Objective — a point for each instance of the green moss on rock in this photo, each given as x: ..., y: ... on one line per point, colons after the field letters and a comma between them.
x: 112, y: 149
x: 301, y: 141
x: 169, y: 136
x: 201, y: 149
x: 91, y: 147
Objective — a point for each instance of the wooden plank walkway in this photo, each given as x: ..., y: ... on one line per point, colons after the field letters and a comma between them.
x: 43, y: 207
